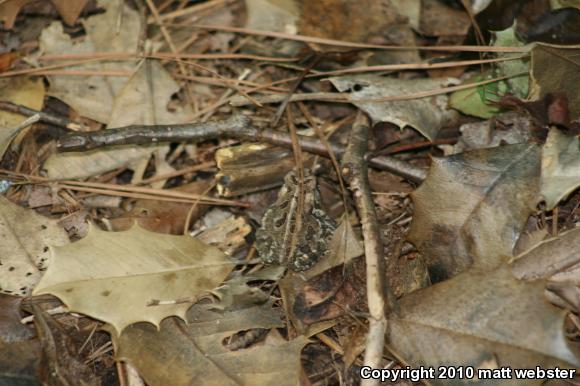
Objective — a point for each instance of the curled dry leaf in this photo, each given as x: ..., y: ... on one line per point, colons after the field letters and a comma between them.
x: 24, y: 240
x: 478, y: 316
x: 115, y: 276
x: 473, y: 206
x: 560, y: 167
x: 427, y: 115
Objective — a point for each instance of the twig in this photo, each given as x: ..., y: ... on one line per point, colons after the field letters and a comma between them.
x: 341, y: 43
x: 345, y: 97
x: 237, y: 127
x: 190, y: 10
x: 354, y: 170
x: 124, y: 190
x: 318, y: 56
x: 44, y: 117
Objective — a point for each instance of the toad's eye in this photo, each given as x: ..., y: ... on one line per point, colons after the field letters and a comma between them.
x: 279, y: 222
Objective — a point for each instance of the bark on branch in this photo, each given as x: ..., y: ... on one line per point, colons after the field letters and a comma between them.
x: 380, y: 299
x: 237, y: 127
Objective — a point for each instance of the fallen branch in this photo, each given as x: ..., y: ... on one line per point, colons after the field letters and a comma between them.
x: 354, y: 170
x: 43, y: 117
x: 237, y: 127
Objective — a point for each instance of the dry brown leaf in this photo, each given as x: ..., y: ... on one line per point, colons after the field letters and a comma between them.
x: 135, y: 103
x: 115, y: 276
x: 427, y: 115
x: 25, y: 237
x: 198, y: 353
x: 21, y: 91
x: 273, y: 15
x: 11, y: 330
x: 556, y: 70
x: 69, y: 10
x: 440, y: 19
x: 9, y: 10
x: 229, y: 235
x: 344, y: 246
x: 548, y: 258
x: 528, y: 240
x: 93, y: 96
x: 477, y: 316
x: 19, y: 351
x: 353, y: 21
x: 513, y: 128
x: 473, y: 207
x: 60, y: 363
x: 560, y: 167
x: 162, y: 216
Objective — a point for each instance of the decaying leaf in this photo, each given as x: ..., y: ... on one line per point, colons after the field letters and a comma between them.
x: 24, y: 240
x: 478, y: 101
x: 358, y: 21
x: 93, y: 96
x: 517, y: 69
x: 162, y: 216
x: 344, y: 246
x: 411, y: 9
x: 60, y: 364
x: 473, y: 206
x: 427, y: 115
x: 68, y: 10
x: 9, y: 10
x: 440, y: 19
x: 556, y: 70
x: 560, y: 167
x: 229, y: 235
x: 508, y: 128
x: 198, y: 353
x: 135, y: 103
x: 115, y: 276
x: 273, y: 15
x: 550, y: 257
x: 19, y: 350
x: 21, y: 91
x: 479, y: 316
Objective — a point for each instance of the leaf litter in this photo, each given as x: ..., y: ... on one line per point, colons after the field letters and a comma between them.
x: 481, y: 260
